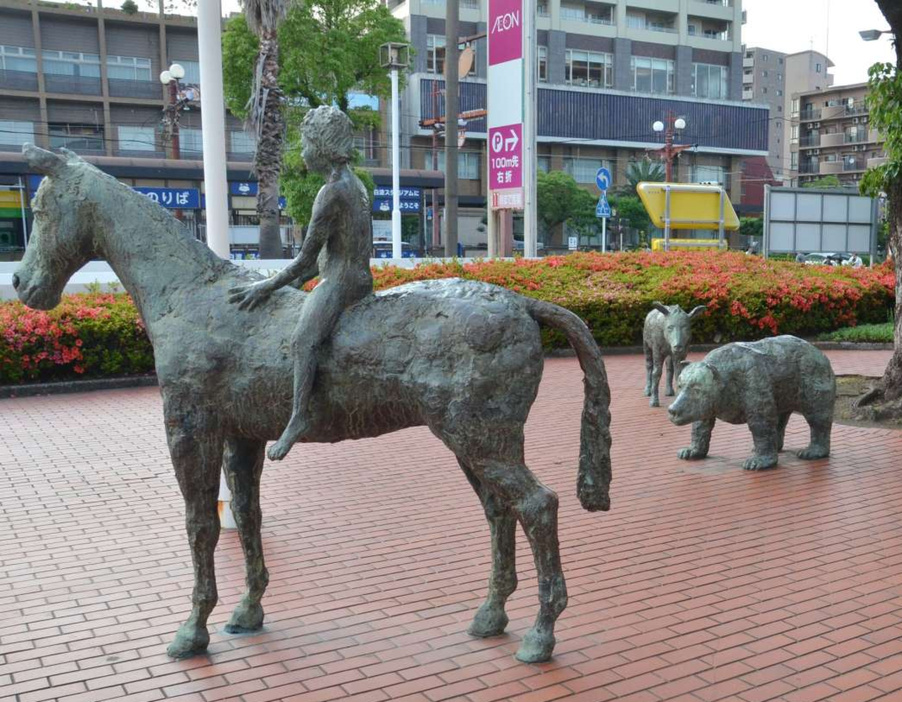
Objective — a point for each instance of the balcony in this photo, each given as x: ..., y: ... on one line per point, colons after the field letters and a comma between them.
x: 856, y: 108
x: 71, y: 85
x: 469, y: 4
x: 748, y: 62
x: 18, y: 80
x: 807, y: 167
x: 748, y: 78
x: 748, y: 94
x: 832, y: 139
x: 831, y: 167
x: 860, y: 137
x: 809, y: 114
x: 721, y: 3
x: 134, y: 89
x: 806, y: 142
x: 854, y: 164
x: 875, y: 162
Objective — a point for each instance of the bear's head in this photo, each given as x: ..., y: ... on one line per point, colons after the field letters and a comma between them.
x: 700, y: 386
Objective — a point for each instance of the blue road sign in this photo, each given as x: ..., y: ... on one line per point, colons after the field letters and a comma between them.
x: 603, y: 179
x: 603, y: 209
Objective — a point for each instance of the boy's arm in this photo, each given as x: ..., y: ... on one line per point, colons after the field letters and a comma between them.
x: 304, y: 266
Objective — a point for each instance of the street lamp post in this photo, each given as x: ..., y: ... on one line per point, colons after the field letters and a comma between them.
x: 171, y: 78
x: 395, y: 57
x: 873, y: 34
x: 668, y: 153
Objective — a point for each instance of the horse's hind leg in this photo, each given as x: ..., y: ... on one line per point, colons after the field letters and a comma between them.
x: 196, y: 450
x: 536, y: 508
x: 491, y: 619
x: 243, y: 464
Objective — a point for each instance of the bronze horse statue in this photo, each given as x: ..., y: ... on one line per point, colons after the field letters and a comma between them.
x: 461, y: 357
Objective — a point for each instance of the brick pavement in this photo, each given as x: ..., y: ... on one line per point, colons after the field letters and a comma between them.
x: 703, y: 583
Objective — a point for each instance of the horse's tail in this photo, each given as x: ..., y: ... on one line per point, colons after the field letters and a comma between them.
x: 595, y: 433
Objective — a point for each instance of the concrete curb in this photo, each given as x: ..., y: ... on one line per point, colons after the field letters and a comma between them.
x: 137, y: 381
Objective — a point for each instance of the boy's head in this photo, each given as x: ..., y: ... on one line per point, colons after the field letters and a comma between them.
x: 328, y: 138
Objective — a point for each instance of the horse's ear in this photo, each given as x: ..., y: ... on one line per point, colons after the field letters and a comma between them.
x: 661, y: 307
x: 70, y: 155
x: 42, y: 161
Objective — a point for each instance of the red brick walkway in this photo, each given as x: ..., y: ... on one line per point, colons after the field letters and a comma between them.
x: 704, y: 582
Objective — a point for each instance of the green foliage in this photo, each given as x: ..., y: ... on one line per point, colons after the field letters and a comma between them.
x: 827, y: 181
x: 884, y: 101
x: 867, y: 333
x: 751, y: 226
x: 129, y: 7
x: 558, y: 196
x: 328, y: 49
x: 644, y: 171
x: 239, y: 56
x: 631, y: 210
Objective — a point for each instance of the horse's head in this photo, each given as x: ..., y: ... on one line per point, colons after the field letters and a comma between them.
x: 61, y: 239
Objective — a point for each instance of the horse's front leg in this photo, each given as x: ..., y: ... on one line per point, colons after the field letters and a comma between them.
x: 196, y: 449
x: 243, y: 465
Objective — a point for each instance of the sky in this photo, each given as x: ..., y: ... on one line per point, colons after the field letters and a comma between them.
x: 828, y: 26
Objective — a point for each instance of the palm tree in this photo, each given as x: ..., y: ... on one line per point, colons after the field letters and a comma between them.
x: 264, y: 117
x: 642, y: 171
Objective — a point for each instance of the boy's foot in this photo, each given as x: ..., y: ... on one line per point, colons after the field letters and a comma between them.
x: 294, y: 431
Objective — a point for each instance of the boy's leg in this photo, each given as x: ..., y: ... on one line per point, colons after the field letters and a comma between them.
x: 318, y: 318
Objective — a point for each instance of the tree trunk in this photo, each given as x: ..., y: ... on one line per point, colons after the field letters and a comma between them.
x: 268, y: 159
x: 892, y: 376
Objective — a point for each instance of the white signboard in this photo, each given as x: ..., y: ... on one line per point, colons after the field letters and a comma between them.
x: 572, y: 243
x: 806, y: 220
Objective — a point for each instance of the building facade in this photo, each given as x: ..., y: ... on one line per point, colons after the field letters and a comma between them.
x: 607, y: 71
x: 831, y: 135
x: 772, y: 77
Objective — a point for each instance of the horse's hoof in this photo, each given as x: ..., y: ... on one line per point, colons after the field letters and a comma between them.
x: 188, y: 641
x: 488, y: 621
x: 654, y: 403
x: 813, y: 452
x: 536, y: 647
x: 669, y: 392
x: 246, y: 617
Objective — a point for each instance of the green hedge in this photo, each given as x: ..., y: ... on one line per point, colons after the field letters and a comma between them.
x: 747, y: 298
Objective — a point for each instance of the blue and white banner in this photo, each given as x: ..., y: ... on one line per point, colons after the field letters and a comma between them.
x: 403, y: 205
x: 172, y: 198
x: 385, y: 192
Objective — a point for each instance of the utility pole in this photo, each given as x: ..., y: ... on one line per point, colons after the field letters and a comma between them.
x: 452, y: 108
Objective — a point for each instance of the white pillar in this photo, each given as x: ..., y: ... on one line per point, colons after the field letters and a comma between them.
x: 395, y: 167
x: 212, y: 112
x: 530, y: 209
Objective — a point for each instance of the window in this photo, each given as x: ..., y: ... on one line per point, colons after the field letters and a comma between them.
x: 794, y: 160
x: 634, y: 21
x: 78, y: 137
x: 651, y: 75
x: 543, y: 163
x: 192, y: 71
x: 708, y: 174
x: 765, y: 57
x: 467, y: 164
x: 577, y: 14
x: 16, y: 133
x: 709, y: 81
x: 590, y: 68
x: 18, y: 58
x: 241, y: 143
x: 779, y: 93
x: 764, y: 74
x: 780, y: 61
x: 128, y: 68
x: 764, y: 91
x: 795, y: 107
x: 68, y: 63
x: 583, y: 170
x: 435, y: 53
x: 191, y: 140
x: 136, y: 138
x: 779, y: 76
x: 779, y: 108
x: 817, y: 68
x: 542, y: 55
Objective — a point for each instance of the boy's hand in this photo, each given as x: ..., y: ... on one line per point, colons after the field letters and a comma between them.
x: 250, y: 296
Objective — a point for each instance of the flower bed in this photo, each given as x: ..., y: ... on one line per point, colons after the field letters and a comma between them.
x: 747, y: 298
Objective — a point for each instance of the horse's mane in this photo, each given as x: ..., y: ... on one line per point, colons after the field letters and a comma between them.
x: 149, y: 218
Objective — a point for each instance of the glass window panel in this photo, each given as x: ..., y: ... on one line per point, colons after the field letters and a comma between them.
x: 136, y: 138
x: 192, y: 71
x: 190, y: 140
x: 16, y: 133
x: 241, y: 142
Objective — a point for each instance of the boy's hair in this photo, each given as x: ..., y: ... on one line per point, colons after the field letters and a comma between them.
x: 332, y: 131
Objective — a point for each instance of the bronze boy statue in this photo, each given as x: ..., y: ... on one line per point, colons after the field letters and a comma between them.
x: 337, y: 247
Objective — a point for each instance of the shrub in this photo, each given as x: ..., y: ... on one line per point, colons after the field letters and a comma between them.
x: 747, y: 298
x: 88, y: 335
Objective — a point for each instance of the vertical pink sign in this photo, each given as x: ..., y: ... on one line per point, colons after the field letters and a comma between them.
x: 505, y: 31
x: 506, y: 157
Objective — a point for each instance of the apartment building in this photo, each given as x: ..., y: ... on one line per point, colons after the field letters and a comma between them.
x: 772, y: 77
x: 830, y: 135
x: 607, y: 71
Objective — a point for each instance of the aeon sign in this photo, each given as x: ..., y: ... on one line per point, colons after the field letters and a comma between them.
x: 505, y: 30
